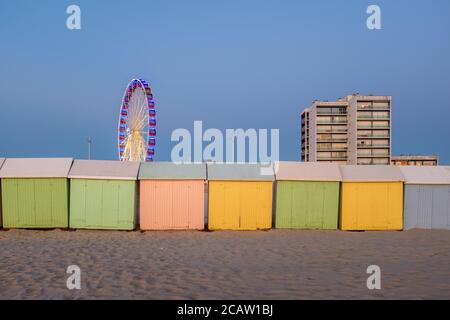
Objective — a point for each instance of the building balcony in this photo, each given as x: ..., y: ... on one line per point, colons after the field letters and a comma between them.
x: 331, y: 114
x: 332, y: 150
x: 331, y: 158
x: 332, y: 122
x: 374, y: 127
x: 332, y: 140
x: 366, y: 146
x: 373, y: 156
x: 373, y: 163
x: 377, y: 108
x: 372, y: 136
x: 373, y: 118
x: 332, y: 131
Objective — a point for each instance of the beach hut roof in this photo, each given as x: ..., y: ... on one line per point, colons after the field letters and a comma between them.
x: 172, y: 171
x: 425, y: 175
x: 104, y: 170
x: 241, y: 171
x: 1, y: 162
x: 308, y: 171
x: 367, y: 173
x: 36, y: 168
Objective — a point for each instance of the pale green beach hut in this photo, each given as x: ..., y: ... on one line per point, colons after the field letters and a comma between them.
x: 103, y: 195
x: 35, y: 192
x: 307, y: 195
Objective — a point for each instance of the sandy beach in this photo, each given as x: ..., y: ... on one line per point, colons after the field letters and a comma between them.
x: 274, y: 264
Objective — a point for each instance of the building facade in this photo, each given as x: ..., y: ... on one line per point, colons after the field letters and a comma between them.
x: 352, y: 130
x: 415, y: 160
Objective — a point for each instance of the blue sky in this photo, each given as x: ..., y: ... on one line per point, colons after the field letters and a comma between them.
x: 231, y: 64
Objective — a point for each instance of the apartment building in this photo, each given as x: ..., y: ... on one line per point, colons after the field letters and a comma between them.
x: 415, y: 160
x: 324, y: 132
x: 352, y: 130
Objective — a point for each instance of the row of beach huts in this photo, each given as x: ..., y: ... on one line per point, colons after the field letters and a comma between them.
x: 84, y: 194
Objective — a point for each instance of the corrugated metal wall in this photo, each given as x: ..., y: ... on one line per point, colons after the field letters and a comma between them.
x: 427, y: 207
x: 240, y: 205
x: 371, y: 206
x: 35, y: 203
x: 307, y: 205
x: 102, y: 204
x: 172, y: 204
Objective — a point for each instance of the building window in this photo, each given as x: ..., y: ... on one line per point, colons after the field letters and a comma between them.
x: 339, y: 146
x: 364, y: 105
x: 324, y: 119
x: 381, y: 161
x: 323, y: 128
x: 381, y: 114
x: 381, y: 124
x: 364, y: 133
x: 324, y: 146
x: 323, y: 110
x: 339, y: 129
x: 364, y: 152
x: 365, y: 114
x: 339, y: 154
x: 380, y: 152
x: 364, y: 143
x: 364, y: 161
x: 364, y: 124
x: 324, y: 136
x: 381, y: 105
x: 380, y: 143
x: 324, y: 155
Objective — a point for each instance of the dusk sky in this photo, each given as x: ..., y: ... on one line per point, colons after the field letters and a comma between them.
x: 232, y: 64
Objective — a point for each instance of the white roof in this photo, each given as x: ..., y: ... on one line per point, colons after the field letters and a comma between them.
x: 308, y: 171
x: 425, y: 174
x: 1, y: 162
x: 172, y: 171
x: 240, y: 172
x: 368, y: 173
x: 36, y: 168
x: 104, y: 170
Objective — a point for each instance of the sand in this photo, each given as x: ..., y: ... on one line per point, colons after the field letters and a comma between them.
x: 273, y: 264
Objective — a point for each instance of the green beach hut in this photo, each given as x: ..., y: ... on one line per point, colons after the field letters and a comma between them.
x: 103, y: 195
x: 35, y: 192
x: 307, y: 195
x: 1, y: 164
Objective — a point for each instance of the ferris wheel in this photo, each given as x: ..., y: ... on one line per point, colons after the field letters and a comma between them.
x: 137, y: 123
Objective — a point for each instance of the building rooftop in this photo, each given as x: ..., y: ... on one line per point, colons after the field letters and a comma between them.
x: 380, y: 173
x: 426, y: 175
x: 308, y: 171
x: 171, y: 171
x: 36, y: 168
x: 108, y: 170
x: 242, y: 172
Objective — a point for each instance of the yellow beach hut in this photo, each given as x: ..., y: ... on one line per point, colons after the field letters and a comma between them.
x: 371, y: 198
x: 240, y: 196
